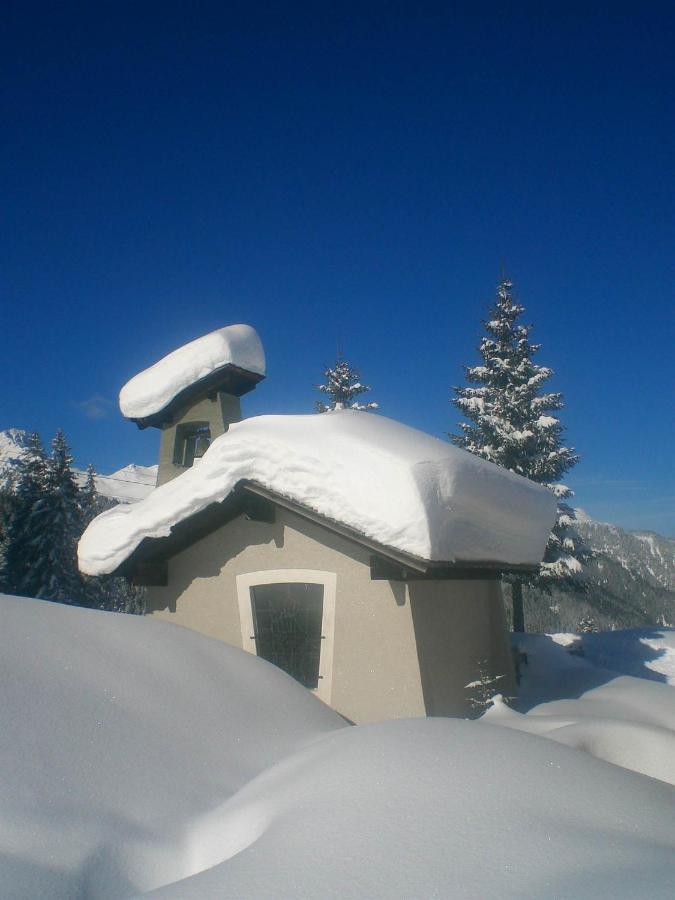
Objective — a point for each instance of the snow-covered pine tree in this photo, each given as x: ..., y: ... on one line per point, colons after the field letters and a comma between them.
x: 342, y: 387
x: 89, y: 499
x: 484, y: 688
x: 19, y: 551
x: 511, y: 425
x: 55, y: 523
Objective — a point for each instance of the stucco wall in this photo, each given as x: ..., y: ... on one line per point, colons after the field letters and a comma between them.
x: 459, y: 626
x: 398, y: 652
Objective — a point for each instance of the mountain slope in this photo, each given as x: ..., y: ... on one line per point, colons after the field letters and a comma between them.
x: 631, y: 583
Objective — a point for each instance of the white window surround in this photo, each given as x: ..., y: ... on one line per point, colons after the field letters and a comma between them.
x: 287, y: 576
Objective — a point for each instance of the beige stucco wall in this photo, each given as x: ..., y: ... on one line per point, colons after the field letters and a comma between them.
x: 398, y: 651
x: 219, y: 411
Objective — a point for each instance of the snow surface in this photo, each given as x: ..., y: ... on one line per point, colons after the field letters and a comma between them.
x: 151, y: 390
x: 139, y: 757
x: 573, y: 697
x: 118, y: 735
x: 394, y: 484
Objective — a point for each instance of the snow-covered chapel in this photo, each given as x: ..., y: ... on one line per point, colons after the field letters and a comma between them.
x: 361, y: 556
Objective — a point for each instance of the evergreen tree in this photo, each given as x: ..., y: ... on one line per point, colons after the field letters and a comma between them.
x: 42, y: 516
x: 89, y: 499
x: 510, y: 423
x: 342, y: 387
x: 483, y: 690
x: 55, y: 523
x: 31, y: 484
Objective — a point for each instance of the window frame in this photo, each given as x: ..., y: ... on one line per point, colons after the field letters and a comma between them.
x: 293, y: 576
x: 186, y: 431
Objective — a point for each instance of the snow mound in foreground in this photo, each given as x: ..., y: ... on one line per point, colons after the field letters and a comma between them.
x: 437, y: 808
x: 152, y: 389
x: 140, y: 756
x: 393, y: 484
x: 117, y: 733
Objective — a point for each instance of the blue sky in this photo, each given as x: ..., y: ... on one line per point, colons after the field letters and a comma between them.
x: 351, y: 176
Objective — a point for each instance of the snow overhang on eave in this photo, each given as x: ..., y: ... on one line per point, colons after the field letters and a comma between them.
x: 395, y: 565
x: 147, y: 564
x: 229, y: 378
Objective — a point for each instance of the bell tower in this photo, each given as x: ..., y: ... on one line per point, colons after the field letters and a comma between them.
x: 192, y: 395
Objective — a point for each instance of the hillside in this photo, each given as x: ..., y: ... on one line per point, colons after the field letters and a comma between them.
x: 631, y: 583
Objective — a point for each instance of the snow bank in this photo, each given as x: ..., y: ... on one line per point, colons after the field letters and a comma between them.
x: 140, y: 756
x: 393, y: 484
x: 117, y: 733
x: 628, y: 721
x: 151, y: 390
x: 437, y: 808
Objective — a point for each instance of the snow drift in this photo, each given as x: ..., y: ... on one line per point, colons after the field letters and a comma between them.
x: 391, y: 483
x: 154, y: 388
x: 117, y: 734
x: 139, y: 756
x: 569, y: 698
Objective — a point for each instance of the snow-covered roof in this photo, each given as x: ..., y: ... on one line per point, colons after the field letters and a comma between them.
x: 390, y: 483
x: 149, y: 392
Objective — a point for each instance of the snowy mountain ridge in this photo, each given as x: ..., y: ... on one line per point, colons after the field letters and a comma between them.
x: 126, y: 485
x: 13, y: 444
x: 631, y: 583
x: 649, y: 555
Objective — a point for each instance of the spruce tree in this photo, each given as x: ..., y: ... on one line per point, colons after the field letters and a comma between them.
x: 89, y: 499
x: 342, y: 387
x: 510, y: 424
x: 55, y: 524
x: 19, y: 550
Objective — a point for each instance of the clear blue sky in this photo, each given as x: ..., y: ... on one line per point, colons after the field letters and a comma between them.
x: 352, y: 175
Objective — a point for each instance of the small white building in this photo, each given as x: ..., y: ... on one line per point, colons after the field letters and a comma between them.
x: 362, y: 556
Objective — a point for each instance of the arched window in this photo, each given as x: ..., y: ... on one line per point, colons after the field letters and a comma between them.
x: 287, y: 617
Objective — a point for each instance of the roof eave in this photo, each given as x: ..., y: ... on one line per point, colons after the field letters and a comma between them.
x: 228, y: 378
x: 386, y: 562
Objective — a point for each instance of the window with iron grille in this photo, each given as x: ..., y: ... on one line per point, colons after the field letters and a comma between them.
x: 287, y: 628
x: 288, y: 618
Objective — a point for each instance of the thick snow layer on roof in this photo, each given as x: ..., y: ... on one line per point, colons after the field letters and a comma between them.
x: 151, y: 390
x: 393, y: 484
x: 140, y: 756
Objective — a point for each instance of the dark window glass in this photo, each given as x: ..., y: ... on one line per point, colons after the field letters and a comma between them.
x: 287, y: 623
x: 192, y: 441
